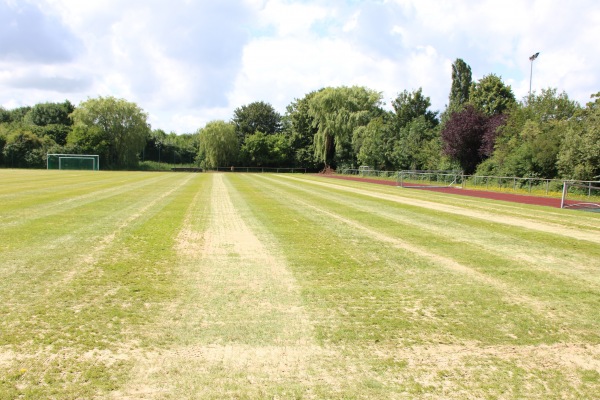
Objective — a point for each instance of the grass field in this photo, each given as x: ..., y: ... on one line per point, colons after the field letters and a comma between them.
x: 129, y: 285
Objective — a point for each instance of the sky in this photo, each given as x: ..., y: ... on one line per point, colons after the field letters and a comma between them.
x: 189, y: 62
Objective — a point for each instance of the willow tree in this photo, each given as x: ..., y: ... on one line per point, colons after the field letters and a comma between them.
x: 122, y: 125
x: 336, y: 113
x: 218, y: 145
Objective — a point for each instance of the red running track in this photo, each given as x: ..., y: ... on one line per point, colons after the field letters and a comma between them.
x: 514, y: 198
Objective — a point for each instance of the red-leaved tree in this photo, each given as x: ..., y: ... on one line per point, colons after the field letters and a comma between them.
x: 469, y: 136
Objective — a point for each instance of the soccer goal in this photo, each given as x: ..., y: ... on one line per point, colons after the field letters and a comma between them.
x: 429, y: 179
x: 581, y: 195
x: 365, y: 170
x: 73, y: 161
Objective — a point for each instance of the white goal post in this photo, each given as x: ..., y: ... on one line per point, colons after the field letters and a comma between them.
x: 73, y: 161
x: 581, y: 195
x: 418, y: 179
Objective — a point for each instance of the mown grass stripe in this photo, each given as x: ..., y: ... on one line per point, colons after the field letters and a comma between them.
x: 553, y: 294
x: 25, y: 209
x: 580, y: 234
x: 367, y: 301
x: 568, y: 218
x: 542, y: 251
x: 241, y: 310
x: 70, y: 340
x: 396, y: 263
x: 368, y: 318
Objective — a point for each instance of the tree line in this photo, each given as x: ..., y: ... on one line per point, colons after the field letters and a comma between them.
x: 484, y: 129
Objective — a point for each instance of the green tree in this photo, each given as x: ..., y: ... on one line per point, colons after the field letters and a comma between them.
x: 218, y: 145
x: 43, y: 114
x: 461, y: 84
x: 533, y: 152
x: 18, y: 114
x: 528, y: 142
x: 491, y: 95
x: 23, y: 149
x: 410, y: 106
x: 301, y: 130
x: 56, y: 132
x: 3, y: 137
x: 185, y: 146
x: 415, y: 128
x: 155, y: 144
x: 85, y: 139
x: 418, y: 146
x: 579, y: 155
x: 262, y: 150
x: 549, y: 105
x: 256, y: 117
x: 374, y: 143
x: 336, y: 113
x: 4, y: 115
x: 167, y: 148
x: 122, y: 124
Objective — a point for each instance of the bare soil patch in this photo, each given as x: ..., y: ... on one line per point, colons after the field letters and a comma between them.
x: 243, y: 315
x: 6, y: 357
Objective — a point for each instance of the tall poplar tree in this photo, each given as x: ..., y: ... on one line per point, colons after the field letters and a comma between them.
x: 461, y: 84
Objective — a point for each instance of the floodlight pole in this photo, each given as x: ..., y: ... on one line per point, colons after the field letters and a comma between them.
x: 533, y: 57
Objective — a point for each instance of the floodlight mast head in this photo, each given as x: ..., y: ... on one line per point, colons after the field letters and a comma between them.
x: 533, y: 57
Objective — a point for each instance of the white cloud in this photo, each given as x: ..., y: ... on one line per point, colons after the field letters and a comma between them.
x: 188, y: 62
x: 291, y: 18
x: 352, y: 23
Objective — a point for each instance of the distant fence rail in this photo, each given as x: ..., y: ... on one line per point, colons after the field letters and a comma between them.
x: 260, y: 170
x: 539, y: 186
x: 186, y: 169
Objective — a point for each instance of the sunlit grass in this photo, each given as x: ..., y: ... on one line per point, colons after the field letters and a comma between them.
x: 122, y: 285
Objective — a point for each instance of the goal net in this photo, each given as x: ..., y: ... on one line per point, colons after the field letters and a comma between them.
x: 73, y: 161
x: 429, y: 179
x: 581, y: 195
